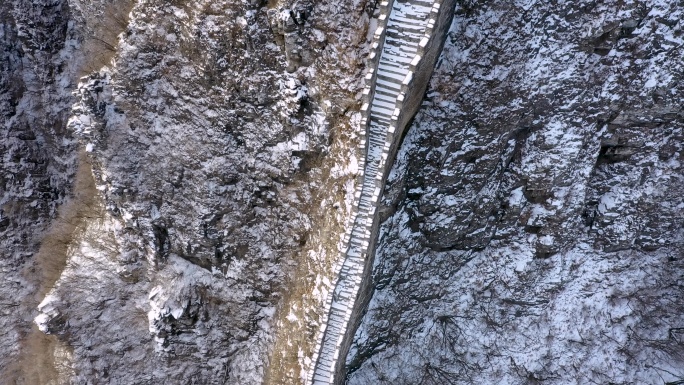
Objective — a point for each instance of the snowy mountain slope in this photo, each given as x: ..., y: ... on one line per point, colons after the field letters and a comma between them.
x: 534, y: 230
x: 216, y: 135
x: 175, y: 215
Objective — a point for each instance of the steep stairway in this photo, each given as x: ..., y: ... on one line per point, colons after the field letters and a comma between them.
x: 405, y: 28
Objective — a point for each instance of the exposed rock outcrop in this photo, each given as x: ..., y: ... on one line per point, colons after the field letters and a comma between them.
x: 38, y: 161
x: 177, y: 178
x: 536, y: 206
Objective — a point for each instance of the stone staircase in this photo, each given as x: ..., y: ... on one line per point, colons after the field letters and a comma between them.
x: 405, y: 28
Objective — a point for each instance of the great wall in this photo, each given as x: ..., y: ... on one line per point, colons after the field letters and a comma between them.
x: 404, y: 50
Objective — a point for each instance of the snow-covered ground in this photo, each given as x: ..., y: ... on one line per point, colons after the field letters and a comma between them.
x: 216, y: 135
x: 535, y: 209
x: 537, y: 236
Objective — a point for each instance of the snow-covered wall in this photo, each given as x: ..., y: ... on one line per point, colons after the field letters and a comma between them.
x: 406, y: 60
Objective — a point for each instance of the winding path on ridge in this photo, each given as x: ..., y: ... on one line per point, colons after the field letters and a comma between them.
x: 405, y: 32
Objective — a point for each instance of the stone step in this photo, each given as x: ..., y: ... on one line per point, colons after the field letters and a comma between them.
x: 407, y: 51
x: 399, y: 18
x: 419, y: 15
x: 416, y: 7
x: 382, y: 119
x: 383, y: 111
x: 386, y: 92
x: 392, y: 71
x: 404, y: 36
x: 405, y: 60
x: 388, y: 84
x: 390, y: 77
x: 393, y: 64
x: 392, y: 67
x: 400, y: 24
x: 396, y: 46
x: 414, y: 14
x: 387, y: 97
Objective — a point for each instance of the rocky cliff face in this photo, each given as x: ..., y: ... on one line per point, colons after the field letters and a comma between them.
x: 174, y: 215
x: 38, y: 159
x: 218, y: 138
x: 214, y: 146
x: 534, y: 216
